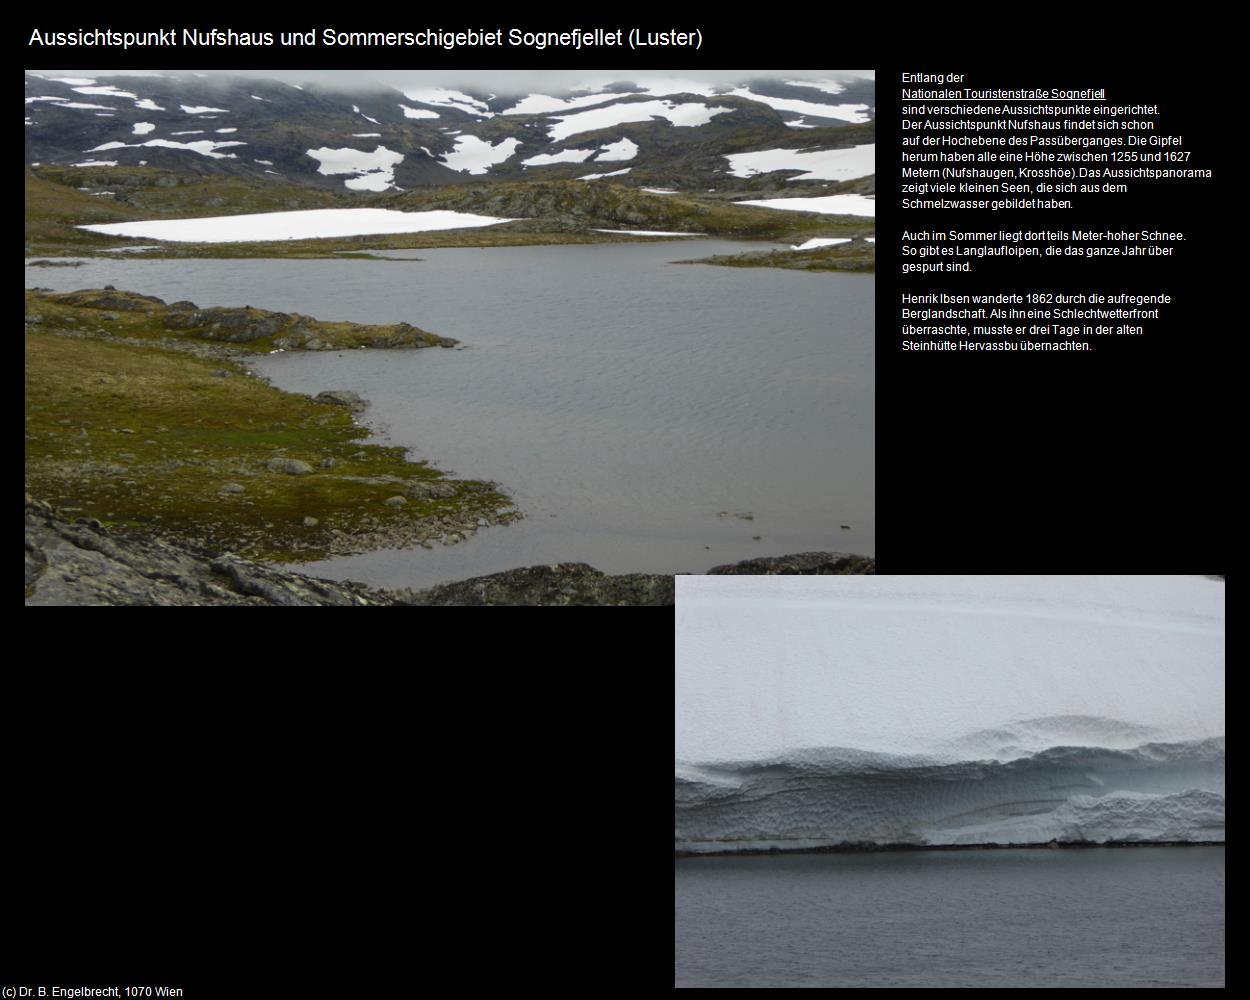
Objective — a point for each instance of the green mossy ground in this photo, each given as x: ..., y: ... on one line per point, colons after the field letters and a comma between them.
x: 148, y: 436
x: 546, y: 212
x: 120, y: 314
x: 854, y: 256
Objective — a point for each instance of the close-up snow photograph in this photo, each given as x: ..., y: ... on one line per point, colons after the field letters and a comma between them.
x: 953, y: 781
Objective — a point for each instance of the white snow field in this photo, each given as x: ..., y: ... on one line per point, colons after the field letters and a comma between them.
x: 820, y: 164
x: 564, y: 156
x: 205, y: 147
x: 854, y: 113
x: 830, y: 204
x: 443, y: 97
x: 412, y: 113
x: 623, y: 150
x: 538, y: 104
x: 818, y: 242
x: 475, y: 156
x: 595, y: 177
x: 683, y: 115
x: 818, y: 711
x: 373, y: 171
x: 305, y: 225
x: 644, y: 232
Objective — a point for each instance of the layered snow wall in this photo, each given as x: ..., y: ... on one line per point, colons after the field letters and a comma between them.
x: 815, y: 711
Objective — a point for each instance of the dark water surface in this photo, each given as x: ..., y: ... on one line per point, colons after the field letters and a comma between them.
x: 1110, y: 917
x: 622, y: 400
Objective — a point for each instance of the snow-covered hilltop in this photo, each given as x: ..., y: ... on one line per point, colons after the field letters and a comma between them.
x: 818, y: 711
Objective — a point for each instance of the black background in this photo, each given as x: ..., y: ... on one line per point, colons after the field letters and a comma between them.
x: 1106, y: 461
x: 405, y: 807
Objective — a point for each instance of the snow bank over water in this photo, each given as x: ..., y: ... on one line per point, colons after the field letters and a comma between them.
x: 807, y: 799
x: 949, y: 710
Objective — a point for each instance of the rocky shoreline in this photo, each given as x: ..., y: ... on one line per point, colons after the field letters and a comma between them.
x: 80, y: 562
x: 141, y: 413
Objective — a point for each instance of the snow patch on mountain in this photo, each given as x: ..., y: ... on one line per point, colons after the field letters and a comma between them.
x: 539, y: 104
x: 443, y: 97
x: 818, y: 164
x: 831, y: 204
x: 564, y: 156
x: 623, y: 150
x: 205, y: 147
x: 595, y: 177
x: 109, y: 91
x: 143, y: 128
x: 645, y: 232
x: 475, y: 156
x: 372, y: 171
x: 854, y: 113
x: 416, y: 112
x: 196, y: 109
x: 683, y: 115
x: 814, y: 244
x: 61, y: 102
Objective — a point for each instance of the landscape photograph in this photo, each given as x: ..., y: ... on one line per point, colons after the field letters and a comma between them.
x: 445, y: 338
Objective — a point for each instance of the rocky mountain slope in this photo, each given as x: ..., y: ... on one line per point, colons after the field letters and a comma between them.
x: 678, y: 133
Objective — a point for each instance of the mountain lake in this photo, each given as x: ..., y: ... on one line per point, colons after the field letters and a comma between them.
x: 635, y: 409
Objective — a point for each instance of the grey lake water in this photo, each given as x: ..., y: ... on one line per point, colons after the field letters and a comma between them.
x: 1110, y: 917
x: 622, y: 400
